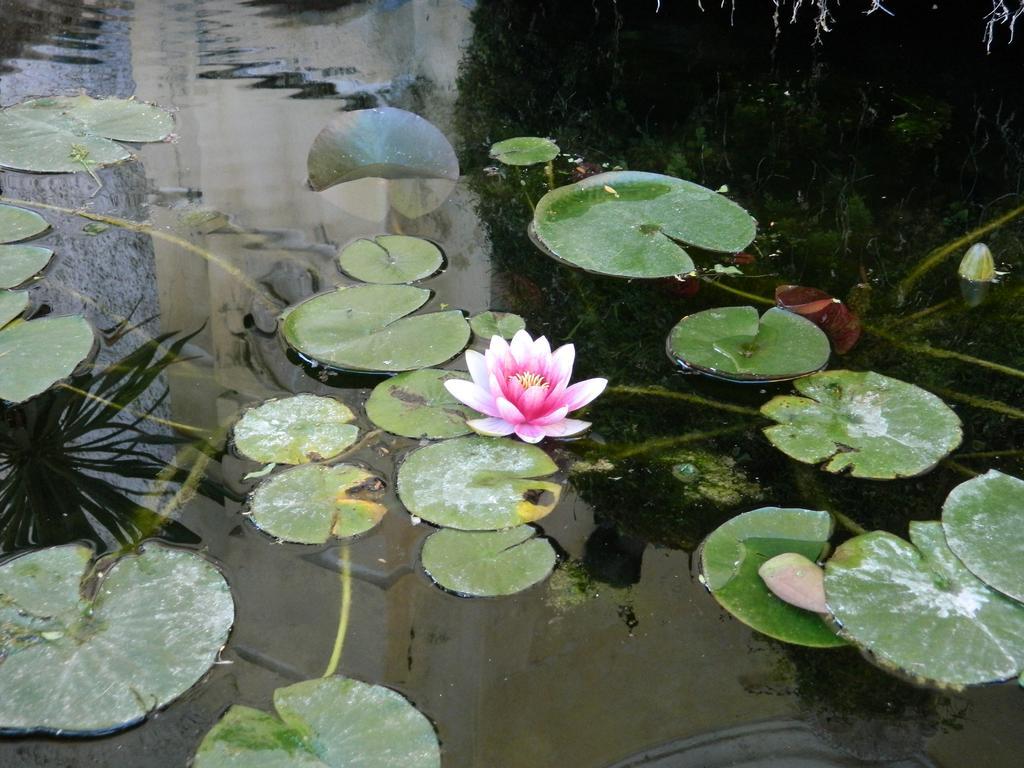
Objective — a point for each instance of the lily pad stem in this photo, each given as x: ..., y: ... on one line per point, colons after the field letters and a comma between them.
x: 684, y: 396
x: 346, y: 608
x: 848, y: 523
x: 663, y: 443
x: 549, y: 171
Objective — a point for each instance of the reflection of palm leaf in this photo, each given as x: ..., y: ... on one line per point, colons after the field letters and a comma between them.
x: 73, y: 459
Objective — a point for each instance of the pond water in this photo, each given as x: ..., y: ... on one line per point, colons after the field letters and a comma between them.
x: 858, y: 158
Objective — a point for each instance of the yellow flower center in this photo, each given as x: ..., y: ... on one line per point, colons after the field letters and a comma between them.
x: 527, y: 379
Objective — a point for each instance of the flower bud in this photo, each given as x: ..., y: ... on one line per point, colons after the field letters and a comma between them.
x: 977, y: 272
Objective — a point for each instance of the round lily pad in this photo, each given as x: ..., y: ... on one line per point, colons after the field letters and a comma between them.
x: 371, y: 328
x: 984, y: 523
x: 390, y: 259
x: 20, y: 262
x: 19, y: 224
x: 478, y: 483
x: 873, y: 425
x: 332, y: 722
x: 76, y: 133
x: 310, y: 504
x: 416, y: 404
x: 917, y: 608
x: 733, y: 343
x: 734, y: 552
x: 488, y: 563
x: 634, y: 224
x: 504, y: 324
x: 295, y: 430
x: 524, y: 150
x: 385, y: 143
x: 148, y: 630
x: 12, y: 304
x: 37, y: 354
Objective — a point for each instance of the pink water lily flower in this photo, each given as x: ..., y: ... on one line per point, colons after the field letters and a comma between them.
x: 523, y: 387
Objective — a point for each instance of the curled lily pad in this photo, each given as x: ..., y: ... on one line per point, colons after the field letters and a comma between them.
x: 390, y: 259
x: 840, y: 324
x: 634, y: 224
x: 735, y: 551
x: 504, y: 324
x: 524, y: 150
x: 917, y: 608
x: 12, y: 304
x: 151, y: 626
x: 19, y: 224
x: 312, y: 503
x: 333, y: 722
x: 796, y: 580
x: 488, y: 563
x: 371, y: 328
x: 478, y: 483
x: 984, y: 523
x: 295, y: 430
x: 384, y: 143
x: 733, y: 343
x: 871, y: 424
x: 20, y: 262
x: 76, y: 133
x: 416, y: 404
x: 36, y: 355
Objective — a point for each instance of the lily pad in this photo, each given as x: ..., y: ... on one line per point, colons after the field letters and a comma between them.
x: 984, y: 523
x: 19, y: 224
x: 20, y: 262
x: 524, y: 150
x: 478, y: 483
x: 390, y: 259
x: 733, y: 343
x: 873, y: 425
x: 735, y: 551
x: 488, y: 563
x: 634, y: 224
x: 12, y: 304
x: 917, y: 608
x: 312, y: 503
x: 37, y: 354
x: 385, y: 143
x: 504, y: 324
x: 73, y: 133
x: 368, y: 328
x: 150, y: 628
x: 295, y: 430
x: 332, y: 722
x: 416, y: 404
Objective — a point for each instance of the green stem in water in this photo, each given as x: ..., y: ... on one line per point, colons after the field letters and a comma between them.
x: 849, y: 523
x: 684, y: 396
x: 346, y: 608
x: 663, y: 443
x: 549, y: 171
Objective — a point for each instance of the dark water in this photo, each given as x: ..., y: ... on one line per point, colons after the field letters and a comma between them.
x: 857, y: 158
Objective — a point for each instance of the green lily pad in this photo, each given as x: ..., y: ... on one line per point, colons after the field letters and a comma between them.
x: 733, y: 343
x: 310, y: 504
x: 20, y: 262
x: 19, y: 223
x: 384, y: 143
x: 332, y: 722
x: 734, y: 552
x: 416, y: 404
x: 871, y: 424
x: 504, y: 324
x: 369, y: 328
x: 295, y: 430
x: 984, y: 523
x: 12, y: 304
x: 153, y: 625
x: 478, y: 483
x: 73, y: 133
x: 917, y: 608
x: 634, y: 224
x: 488, y: 563
x: 524, y: 150
x: 390, y: 259
x: 37, y: 354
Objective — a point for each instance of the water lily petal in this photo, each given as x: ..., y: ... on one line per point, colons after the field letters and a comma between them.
x: 565, y: 428
x: 556, y: 415
x: 469, y: 393
x: 490, y: 427
x: 509, y: 412
x: 477, y: 365
x: 583, y: 392
x: 561, y: 364
x: 530, y: 433
x: 540, y: 355
x: 532, y: 402
x: 521, y: 347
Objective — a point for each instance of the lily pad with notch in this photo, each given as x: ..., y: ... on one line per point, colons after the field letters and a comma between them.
x: 873, y: 425
x: 295, y: 430
x: 524, y: 150
x: 390, y: 259
x: 478, y: 483
x: 488, y: 324
x: 94, y: 653
x: 416, y: 404
x: 18, y: 224
x: 488, y: 563
x: 734, y: 344
x: 635, y: 224
x: 331, y: 722
x: 734, y: 552
x: 917, y: 608
x: 37, y: 354
x: 18, y: 263
x: 372, y: 328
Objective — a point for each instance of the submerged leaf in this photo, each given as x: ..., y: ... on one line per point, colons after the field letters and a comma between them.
x: 487, y: 563
x: 295, y: 430
x: 524, y: 150
x: 416, y: 404
x: 36, y: 355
